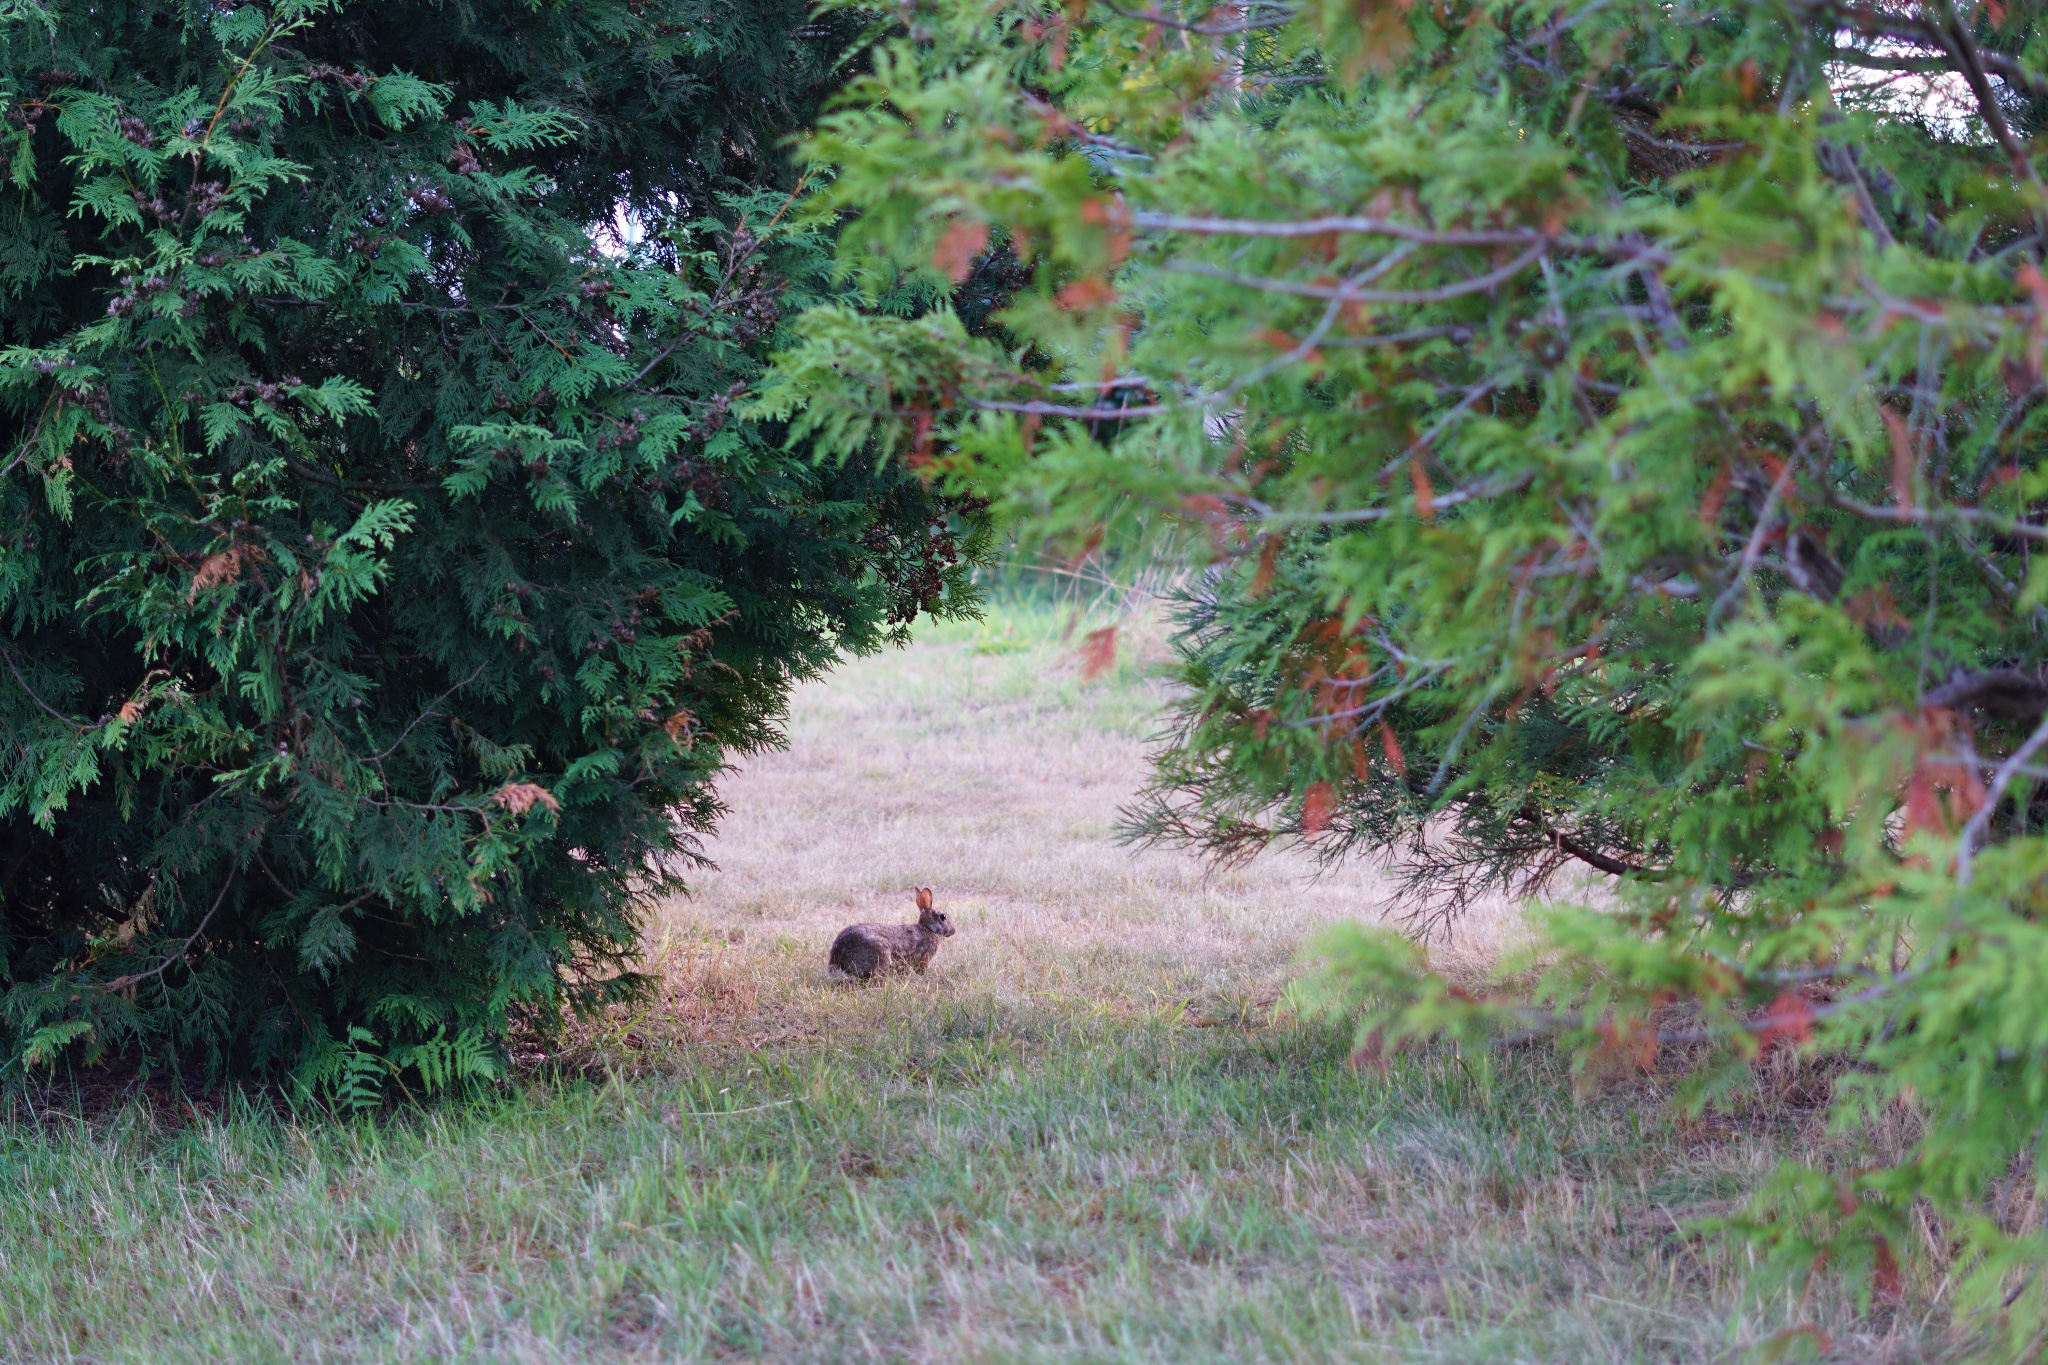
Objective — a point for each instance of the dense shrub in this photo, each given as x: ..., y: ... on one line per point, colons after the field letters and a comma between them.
x: 386, y: 578
x: 1618, y: 429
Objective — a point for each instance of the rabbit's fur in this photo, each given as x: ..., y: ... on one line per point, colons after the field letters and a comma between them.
x: 862, y: 950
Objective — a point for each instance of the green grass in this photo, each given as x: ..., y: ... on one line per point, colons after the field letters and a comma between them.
x: 965, y: 1183
x: 1086, y: 1136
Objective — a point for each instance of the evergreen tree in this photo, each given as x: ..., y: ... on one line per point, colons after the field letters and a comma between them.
x: 1617, y: 431
x: 386, y: 577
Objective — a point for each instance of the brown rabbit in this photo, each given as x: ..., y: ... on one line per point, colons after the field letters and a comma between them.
x: 861, y: 950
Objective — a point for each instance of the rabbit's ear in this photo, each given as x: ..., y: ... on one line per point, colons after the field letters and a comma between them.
x: 924, y: 898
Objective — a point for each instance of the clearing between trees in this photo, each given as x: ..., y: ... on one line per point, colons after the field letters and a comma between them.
x: 1087, y: 1134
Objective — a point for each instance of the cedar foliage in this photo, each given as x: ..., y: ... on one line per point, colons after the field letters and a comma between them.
x: 385, y: 575
x: 1617, y: 431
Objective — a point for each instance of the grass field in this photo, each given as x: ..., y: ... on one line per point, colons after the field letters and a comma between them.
x: 1086, y: 1135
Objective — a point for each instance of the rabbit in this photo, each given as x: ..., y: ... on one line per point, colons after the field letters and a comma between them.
x: 861, y: 950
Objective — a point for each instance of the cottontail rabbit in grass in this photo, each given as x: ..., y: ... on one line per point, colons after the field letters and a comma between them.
x: 861, y: 950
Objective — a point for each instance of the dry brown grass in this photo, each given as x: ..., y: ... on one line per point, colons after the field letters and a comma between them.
x: 981, y: 763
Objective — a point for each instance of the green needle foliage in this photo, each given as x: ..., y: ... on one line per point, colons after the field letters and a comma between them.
x: 1618, y: 431
x: 385, y: 576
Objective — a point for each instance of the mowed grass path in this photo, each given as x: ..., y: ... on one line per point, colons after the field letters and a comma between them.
x: 1085, y: 1136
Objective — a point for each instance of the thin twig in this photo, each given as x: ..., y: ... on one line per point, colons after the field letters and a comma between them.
x: 1331, y: 224
x: 1974, y: 830
x: 123, y: 982
x: 1279, y: 20
x: 1754, y: 547
x: 1926, y: 516
x: 1348, y: 291
x: 1954, y: 35
x: 431, y: 707
x: 47, y: 709
x: 1484, y: 488
x: 21, y: 451
x: 1443, y: 769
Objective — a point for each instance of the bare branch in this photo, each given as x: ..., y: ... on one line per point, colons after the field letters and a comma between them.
x: 1283, y: 17
x: 2007, y: 692
x: 7, y: 655
x: 1764, y: 518
x: 1631, y: 248
x: 1954, y: 34
x: 1484, y: 488
x: 178, y: 954
x: 1980, y: 823
x: 1937, y: 516
x: 1585, y: 853
x: 1035, y: 407
x: 1349, y: 291
x: 432, y: 707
